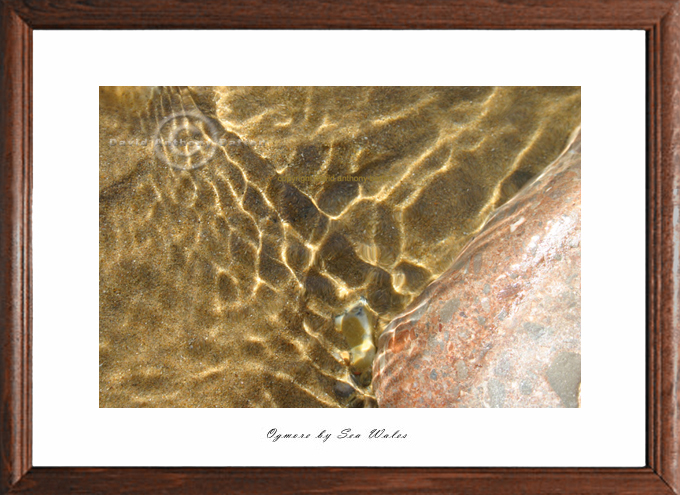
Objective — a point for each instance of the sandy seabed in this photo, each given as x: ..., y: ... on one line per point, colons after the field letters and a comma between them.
x: 236, y: 223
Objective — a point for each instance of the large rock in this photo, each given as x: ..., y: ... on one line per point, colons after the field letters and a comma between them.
x: 502, y: 327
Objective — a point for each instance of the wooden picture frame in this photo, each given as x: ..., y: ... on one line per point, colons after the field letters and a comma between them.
x: 661, y: 21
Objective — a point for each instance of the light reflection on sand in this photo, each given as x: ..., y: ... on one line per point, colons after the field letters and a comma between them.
x: 219, y: 282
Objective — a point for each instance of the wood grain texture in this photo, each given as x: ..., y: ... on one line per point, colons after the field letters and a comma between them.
x: 15, y: 259
x: 370, y: 481
x: 345, y: 14
x: 659, y: 18
x: 668, y: 223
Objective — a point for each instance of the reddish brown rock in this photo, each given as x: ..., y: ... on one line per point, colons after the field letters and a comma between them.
x: 502, y: 327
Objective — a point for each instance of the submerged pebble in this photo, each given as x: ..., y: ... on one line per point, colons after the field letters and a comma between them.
x: 356, y: 324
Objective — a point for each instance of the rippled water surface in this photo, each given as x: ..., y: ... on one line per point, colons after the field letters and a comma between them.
x: 236, y: 223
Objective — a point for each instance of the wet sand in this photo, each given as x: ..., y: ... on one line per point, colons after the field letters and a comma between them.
x: 222, y: 267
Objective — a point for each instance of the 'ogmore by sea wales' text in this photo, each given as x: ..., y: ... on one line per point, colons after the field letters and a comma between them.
x: 345, y: 434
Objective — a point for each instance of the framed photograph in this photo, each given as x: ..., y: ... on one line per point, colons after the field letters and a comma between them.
x: 196, y: 267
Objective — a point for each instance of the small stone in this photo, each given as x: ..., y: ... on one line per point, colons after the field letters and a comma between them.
x: 525, y: 387
x: 449, y: 309
x: 564, y: 376
x: 343, y: 389
x: 534, y: 329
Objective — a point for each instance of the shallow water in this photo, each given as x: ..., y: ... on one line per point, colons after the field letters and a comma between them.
x: 225, y: 259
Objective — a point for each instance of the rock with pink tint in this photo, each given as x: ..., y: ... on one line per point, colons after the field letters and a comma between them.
x: 502, y: 327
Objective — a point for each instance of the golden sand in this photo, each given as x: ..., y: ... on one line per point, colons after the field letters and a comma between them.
x: 224, y: 265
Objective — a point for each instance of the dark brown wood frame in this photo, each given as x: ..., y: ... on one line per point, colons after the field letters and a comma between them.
x: 661, y: 21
